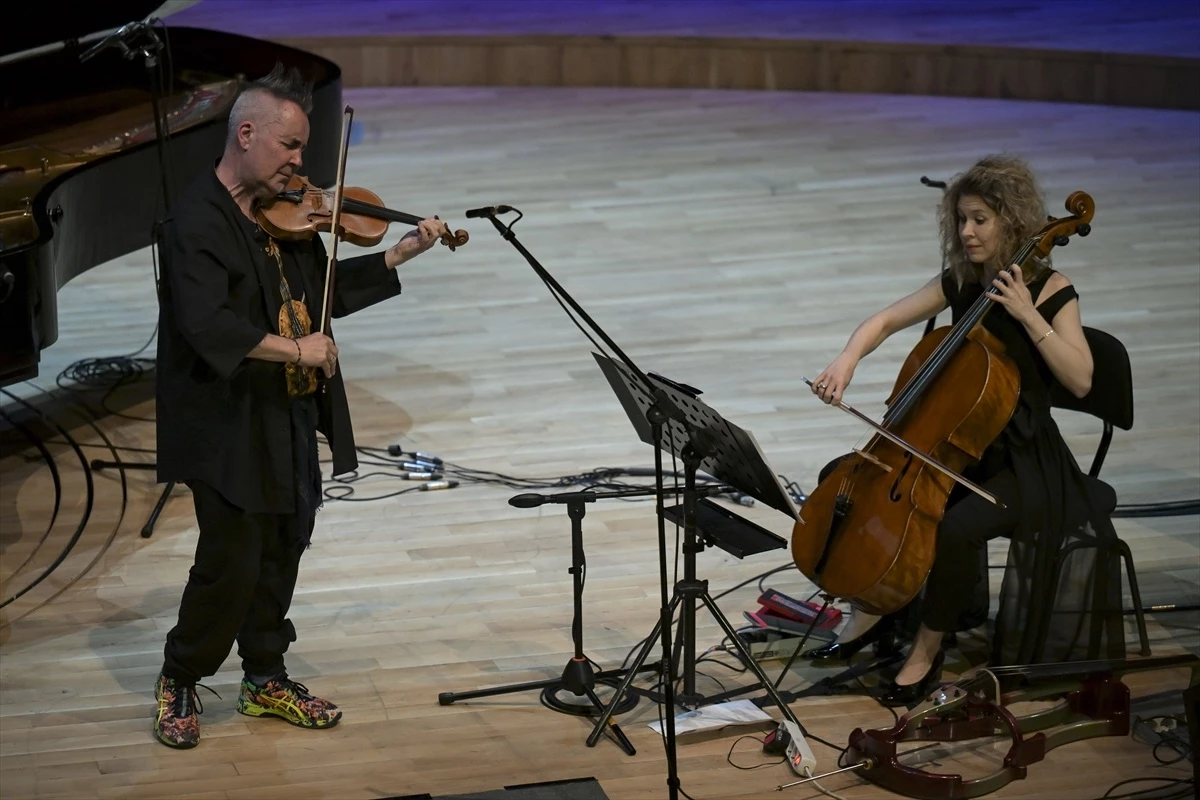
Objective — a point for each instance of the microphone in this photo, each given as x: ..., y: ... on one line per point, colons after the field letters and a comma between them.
x: 487, y: 211
x: 529, y: 500
x: 115, y: 38
x: 395, y: 450
x: 639, y: 472
x: 739, y: 497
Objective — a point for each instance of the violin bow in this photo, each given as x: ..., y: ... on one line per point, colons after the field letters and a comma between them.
x: 335, y: 223
x: 930, y: 460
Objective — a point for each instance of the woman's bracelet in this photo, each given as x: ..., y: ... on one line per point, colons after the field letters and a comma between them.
x: 1044, y: 335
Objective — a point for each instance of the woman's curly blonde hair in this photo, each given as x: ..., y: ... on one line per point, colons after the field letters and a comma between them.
x: 1007, y: 185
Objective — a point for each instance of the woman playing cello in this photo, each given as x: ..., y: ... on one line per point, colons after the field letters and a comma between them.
x: 986, y: 213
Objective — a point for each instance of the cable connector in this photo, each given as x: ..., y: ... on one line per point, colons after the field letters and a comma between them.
x: 419, y: 476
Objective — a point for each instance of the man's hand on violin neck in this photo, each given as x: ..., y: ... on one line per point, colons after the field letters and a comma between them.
x: 415, y: 242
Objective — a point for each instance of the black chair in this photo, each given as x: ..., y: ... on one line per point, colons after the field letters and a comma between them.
x: 1111, y: 396
x: 1111, y: 401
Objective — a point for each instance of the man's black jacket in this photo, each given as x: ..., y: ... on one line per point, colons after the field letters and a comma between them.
x: 224, y: 418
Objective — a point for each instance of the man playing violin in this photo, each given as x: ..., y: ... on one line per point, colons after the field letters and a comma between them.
x: 986, y: 214
x: 229, y: 427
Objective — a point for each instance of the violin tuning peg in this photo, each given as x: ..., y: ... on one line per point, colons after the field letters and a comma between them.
x: 1061, y: 240
x: 1084, y: 229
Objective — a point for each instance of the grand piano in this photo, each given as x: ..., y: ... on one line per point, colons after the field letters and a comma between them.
x: 80, y: 182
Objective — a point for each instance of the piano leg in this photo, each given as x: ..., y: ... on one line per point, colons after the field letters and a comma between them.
x: 148, y: 528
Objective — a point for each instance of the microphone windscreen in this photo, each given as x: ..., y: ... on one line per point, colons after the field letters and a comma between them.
x: 528, y: 500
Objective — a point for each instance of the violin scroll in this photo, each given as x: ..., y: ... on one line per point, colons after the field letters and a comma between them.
x: 453, y: 240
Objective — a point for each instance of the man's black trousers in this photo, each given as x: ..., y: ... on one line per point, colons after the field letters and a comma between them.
x: 239, y: 589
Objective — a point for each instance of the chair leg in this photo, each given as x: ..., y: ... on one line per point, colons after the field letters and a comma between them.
x: 1137, y: 596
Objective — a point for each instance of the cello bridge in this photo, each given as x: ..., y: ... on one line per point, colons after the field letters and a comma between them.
x: 873, y: 460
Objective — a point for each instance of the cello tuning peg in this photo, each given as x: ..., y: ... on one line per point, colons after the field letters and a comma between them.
x: 1084, y: 229
x: 1061, y: 240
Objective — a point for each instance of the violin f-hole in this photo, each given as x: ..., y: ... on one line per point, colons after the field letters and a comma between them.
x: 894, y: 493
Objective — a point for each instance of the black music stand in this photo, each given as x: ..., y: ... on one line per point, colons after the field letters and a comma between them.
x: 731, y: 455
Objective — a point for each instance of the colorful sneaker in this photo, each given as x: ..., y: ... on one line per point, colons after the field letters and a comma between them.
x: 177, y: 723
x: 285, y: 698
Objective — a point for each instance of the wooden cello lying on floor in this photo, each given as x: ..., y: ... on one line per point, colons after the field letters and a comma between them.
x: 866, y: 533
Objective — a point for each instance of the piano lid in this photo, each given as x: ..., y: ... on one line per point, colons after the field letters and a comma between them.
x: 50, y: 24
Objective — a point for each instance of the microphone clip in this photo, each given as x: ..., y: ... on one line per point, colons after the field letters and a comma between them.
x: 126, y: 38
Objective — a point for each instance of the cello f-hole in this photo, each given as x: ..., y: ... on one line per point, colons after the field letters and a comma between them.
x: 894, y: 493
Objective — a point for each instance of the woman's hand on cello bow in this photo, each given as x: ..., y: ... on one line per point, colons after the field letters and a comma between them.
x: 834, y: 379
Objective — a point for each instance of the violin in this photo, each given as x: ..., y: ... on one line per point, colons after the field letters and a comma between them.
x: 866, y: 533
x: 354, y: 214
x: 303, y: 209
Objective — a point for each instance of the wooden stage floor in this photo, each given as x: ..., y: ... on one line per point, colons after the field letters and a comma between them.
x: 728, y: 240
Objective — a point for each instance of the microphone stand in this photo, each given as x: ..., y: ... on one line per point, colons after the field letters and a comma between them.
x: 149, y: 51
x: 577, y: 676
x: 932, y: 321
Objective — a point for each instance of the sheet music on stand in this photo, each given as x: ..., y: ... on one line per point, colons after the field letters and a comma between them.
x: 736, y: 459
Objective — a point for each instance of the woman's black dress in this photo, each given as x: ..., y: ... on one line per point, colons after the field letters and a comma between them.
x: 1065, y: 529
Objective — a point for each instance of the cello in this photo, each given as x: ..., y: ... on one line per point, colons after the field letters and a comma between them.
x: 866, y: 534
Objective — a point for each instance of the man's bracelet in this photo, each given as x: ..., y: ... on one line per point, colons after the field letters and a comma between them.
x: 297, y: 341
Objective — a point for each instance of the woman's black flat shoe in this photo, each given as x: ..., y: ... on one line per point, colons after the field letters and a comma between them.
x: 909, y: 695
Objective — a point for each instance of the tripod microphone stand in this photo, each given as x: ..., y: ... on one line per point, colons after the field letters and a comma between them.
x: 149, y: 50
x: 577, y: 676
x: 652, y: 405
